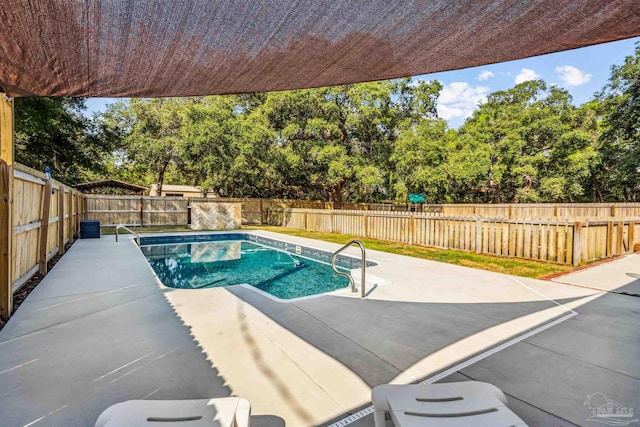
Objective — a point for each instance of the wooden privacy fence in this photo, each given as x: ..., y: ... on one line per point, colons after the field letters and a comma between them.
x: 137, y: 210
x: 46, y: 216
x: 515, y: 210
x: 564, y: 242
x: 153, y: 210
x: 571, y: 211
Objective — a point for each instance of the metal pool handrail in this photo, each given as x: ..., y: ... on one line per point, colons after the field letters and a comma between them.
x: 363, y: 266
x: 130, y: 231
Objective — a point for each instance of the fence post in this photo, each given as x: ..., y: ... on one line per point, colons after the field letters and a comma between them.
x: 6, y: 231
x: 44, y: 226
x: 478, y: 235
x: 555, y: 210
x: 365, y: 223
x: 412, y: 229
x: 305, y: 220
x: 577, y: 243
x: 632, y: 230
x: 6, y: 190
x: 71, y: 235
x: 620, y: 239
x: 609, y: 238
x: 331, y: 221
x: 61, y: 220
x: 141, y: 211
x: 79, y: 213
x: 614, y: 210
x: 262, y: 212
x: 189, y: 207
x: 76, y: 222
x: 510, y: 211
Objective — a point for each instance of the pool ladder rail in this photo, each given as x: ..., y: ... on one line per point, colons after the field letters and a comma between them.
x: 363, y: 265
x: 130, y: 231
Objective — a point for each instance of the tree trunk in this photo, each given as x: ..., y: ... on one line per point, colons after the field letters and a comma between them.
x: 161, y: 178
x: 336, y: 196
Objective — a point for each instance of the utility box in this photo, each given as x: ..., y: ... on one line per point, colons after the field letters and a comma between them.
x: 90, y: 229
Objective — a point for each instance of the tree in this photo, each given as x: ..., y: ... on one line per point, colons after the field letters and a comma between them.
x: 619, y: 143
x: 54, y: 132
x: 539, y: 145
x: 155, y: 133
x: 334, y: 142
x: 228, y: 148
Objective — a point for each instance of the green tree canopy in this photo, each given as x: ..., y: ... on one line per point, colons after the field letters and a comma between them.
x: 360, y: 142
x: 54, y: 132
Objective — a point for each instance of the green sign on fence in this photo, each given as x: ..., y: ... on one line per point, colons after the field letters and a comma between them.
x: 416, y: 198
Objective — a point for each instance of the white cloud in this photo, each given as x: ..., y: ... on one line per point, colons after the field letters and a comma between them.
x: 485, y: 75
x: 526, y: 75
x: 571, y: 76
x: 459, y: 100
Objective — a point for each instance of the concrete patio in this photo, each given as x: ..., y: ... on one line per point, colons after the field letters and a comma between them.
x: 100, y: 329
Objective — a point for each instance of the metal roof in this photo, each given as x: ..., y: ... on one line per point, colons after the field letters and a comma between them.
x: 111, y: 183
x: 148, y: 48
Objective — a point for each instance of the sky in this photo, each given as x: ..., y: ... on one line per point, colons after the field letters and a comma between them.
x: 583, y: 72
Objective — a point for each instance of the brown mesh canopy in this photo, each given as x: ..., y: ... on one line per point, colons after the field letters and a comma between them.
x: 146, y: 48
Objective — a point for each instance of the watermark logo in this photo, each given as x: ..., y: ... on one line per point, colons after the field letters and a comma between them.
x: 608, y: 411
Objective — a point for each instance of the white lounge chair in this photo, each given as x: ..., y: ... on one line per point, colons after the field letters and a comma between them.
x: 467, y: 403
x: 220, y: 412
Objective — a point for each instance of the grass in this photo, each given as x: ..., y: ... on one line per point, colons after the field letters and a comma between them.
x: 518, y: 267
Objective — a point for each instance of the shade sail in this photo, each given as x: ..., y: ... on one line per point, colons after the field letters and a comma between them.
x: 148, y: 48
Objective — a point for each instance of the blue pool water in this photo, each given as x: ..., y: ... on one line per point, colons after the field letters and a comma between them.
x: 223, y: 263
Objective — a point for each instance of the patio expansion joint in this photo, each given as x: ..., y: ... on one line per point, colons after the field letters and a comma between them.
x: 520, y: 282
x: 84, y: 316
x: 32, y: 300
x: 513, y: 397
x: 349, y: 339
x: 543, y: 347
x: 595, y: 288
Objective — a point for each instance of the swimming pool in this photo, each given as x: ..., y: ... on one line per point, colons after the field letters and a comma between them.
x: 281, y: 269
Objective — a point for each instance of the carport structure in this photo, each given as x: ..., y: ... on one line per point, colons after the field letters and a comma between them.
x: 111, y: 184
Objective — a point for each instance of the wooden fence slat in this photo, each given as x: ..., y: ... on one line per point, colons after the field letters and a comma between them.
x: 620, y: 240
x: 561, y: 245
x: 568, y: 233
x: 60, y: 194
x: 535, y: 241
x: 577, y: 243
x: 44, y: 227
x: 6, y: 237
x: 544, y: 233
